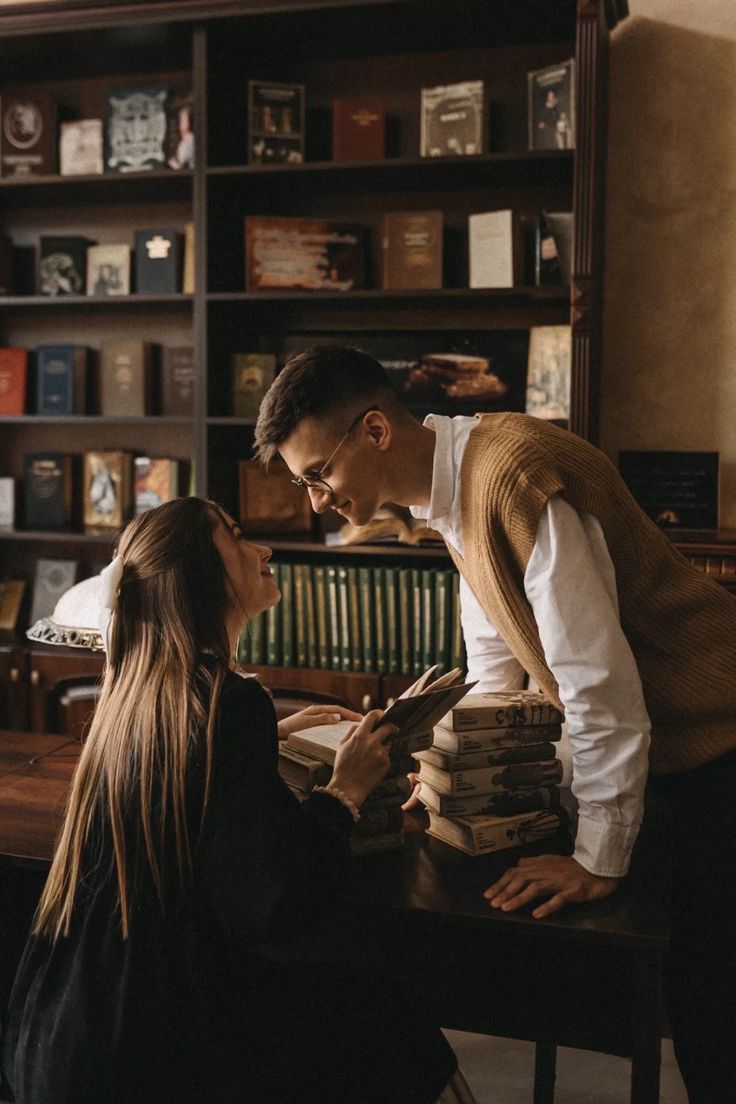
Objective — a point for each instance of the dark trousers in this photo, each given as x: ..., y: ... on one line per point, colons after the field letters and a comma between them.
x: 690, y: 823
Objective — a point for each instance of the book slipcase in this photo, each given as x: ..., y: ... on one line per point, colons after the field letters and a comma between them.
x: 191, y: 417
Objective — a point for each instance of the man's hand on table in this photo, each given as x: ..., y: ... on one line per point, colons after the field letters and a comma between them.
x: 558, y: 877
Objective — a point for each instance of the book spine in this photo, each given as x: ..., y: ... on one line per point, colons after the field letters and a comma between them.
x: 460, y: 743
x: 286, y: 611
x: 484, y: 780
x: 457, y: 643
x: 310, y: 617
x: 417, y: 629
x: 300, y: 627
x: 405, y: 619
x: 367, y: 622
x: 392, y: 618
x: 538, y: 713
x: 379, y: 591
x: 428, y: 620
x: 333, y: 613
x: 446, y: 760
x: 504, y: 804
x: 323, y: 624
x: 442, y: 621
x: 273, y: 624
x: 346, y: 632
x: 356, y: 634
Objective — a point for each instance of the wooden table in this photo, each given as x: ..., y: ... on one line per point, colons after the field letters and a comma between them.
x: 588, y: 977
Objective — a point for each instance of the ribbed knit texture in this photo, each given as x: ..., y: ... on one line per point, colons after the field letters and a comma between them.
x: 680, y: 625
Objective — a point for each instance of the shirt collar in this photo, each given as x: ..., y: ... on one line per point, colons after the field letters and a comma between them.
x: 443, y: 473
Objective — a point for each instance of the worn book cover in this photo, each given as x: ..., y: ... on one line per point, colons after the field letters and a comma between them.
x: 177, y: 381
x: 155, y: 481
x: 275, y: 123
x: 301, y: 771
x: 136, y: 129
x: 453, y: 120
x: 125, y: 378
x: 551, y: 103
x: 253, y: 374
x: 61, y: 379
x: 7, y: 502
x: 107, y: 489
x: 158, y: 262
x: 269, y: 501
x: 358, y: 129
x: 13, y: 381
x: 502, y: 709
x: 411, y: 250
x: 491, y: 739
x: 490, y: 757
x: 491, y: 249
x: 310, y: 254
x: 549, y: 366
x: 81, y: 148
x: 62, y: 265
x: 493, y: 779
x: 52, y: 579
x: 28, y: 133
x: 47, y: 490
x: 479, y: 835
x: 505, y: 803
x: 108, y: 270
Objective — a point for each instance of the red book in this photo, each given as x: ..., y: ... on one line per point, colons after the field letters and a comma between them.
x: 358, y: 129
x: 13, y: 366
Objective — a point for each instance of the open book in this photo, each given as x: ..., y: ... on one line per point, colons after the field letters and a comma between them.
x: 415, y: 713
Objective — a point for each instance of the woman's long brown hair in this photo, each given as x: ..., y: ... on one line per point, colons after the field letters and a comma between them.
x: 131, y: 776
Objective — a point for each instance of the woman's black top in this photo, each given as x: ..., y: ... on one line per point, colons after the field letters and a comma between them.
x: 188, y: 1008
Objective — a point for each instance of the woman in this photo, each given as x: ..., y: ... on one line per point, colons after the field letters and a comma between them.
x: 182, y: 853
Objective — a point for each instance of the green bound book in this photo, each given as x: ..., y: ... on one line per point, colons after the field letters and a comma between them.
x: 367, y: 620
x: 273, y: 624
x: 428, y: 620
x: 391, y: 583
x: 417, y: 635
x: 286, y: 608
x: 442, y: 584
x: 457, y: 643
x: 379, y: 612
x: 300, y: 619
x: 333, y: 618
x: 310, y: 616
x: 356, y: 633
x: 323, y: 625
x: 257, y: 639
x: 346, y: 655
x: 405, y: 622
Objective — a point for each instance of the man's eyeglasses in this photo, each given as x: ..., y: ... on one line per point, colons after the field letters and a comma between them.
x: 314, y: 481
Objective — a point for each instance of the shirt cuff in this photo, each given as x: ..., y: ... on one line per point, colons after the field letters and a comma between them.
x: 603, y: 848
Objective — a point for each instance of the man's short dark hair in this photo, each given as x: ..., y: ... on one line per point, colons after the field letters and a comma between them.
x: 319, y: 382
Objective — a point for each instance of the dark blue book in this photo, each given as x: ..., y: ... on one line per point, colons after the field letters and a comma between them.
x: 61, y: 379
x: 47, y: 490
x: 158, y: 262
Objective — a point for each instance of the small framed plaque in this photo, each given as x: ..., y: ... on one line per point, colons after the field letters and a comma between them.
x: 678, y: 490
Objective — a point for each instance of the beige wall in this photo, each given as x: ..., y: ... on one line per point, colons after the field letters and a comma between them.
x: 669, y: 349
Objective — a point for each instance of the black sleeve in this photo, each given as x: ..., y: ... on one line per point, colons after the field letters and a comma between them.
x: 263, y: 859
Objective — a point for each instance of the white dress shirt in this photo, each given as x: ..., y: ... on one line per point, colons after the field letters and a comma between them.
x: 571, y: 586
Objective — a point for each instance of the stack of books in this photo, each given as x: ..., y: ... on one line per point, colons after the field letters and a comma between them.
x: 491, y: 778
x: 306, y: 758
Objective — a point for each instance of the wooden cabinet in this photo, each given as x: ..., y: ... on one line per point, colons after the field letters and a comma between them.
x: 14, y: 686
x: 52, y: 671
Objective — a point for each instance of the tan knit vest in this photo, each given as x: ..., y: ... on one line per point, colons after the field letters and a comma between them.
x: 681, y: 625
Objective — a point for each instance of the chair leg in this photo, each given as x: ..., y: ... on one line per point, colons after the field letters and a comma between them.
x: 545, y: 1071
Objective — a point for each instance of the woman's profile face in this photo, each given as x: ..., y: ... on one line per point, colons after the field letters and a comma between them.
x: 249, y: 580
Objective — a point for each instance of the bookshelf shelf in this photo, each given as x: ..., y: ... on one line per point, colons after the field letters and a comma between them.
x: 152, y: 420
x: 65, y: 536
x: 521, y: 294
x: 358, y: 551
x: 95, y: 302
x: 230, y: 421
x: 117, y: 188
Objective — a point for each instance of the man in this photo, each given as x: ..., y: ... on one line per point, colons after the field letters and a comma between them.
x: 562, y: 577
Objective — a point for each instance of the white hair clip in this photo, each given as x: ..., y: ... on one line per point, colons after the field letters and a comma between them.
x: 110, y: 587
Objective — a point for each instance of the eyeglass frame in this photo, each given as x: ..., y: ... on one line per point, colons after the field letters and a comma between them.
x: 316, y: 482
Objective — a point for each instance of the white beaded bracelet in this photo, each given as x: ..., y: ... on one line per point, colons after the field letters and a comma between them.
x: 334, y: 792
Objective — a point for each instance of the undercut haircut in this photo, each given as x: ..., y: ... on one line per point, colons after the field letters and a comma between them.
x: 324, y: 380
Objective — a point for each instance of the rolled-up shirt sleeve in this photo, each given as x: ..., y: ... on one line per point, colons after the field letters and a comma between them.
x: 570, y: 583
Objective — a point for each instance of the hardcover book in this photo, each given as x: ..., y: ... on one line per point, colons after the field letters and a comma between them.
x: 479, y: 835
x: 548, y: 372
x: 7, y: 502
x: 253, y: 374
x: 505, y: 803
x: 125, y: 378
x: 52, y: 579
x: 47, y: 490
x: 136, y: 129
x: 107, y: 489
x: 28, y: 134
x: 62, y: 266
x: 495, y: 779
x: 180, y: 131
x: 491, y: 249
x: 11, y: 599
x: 502, y: 709
x: 301, y: 771
x: 453, y: 120
x: 269, y: 501
x: 678, y: 490
x: 307, y: 253
x: 551, y: 102
x: 81, y: 148
x: 6, y: 265
x: 187, y: 280
x: 108, y: 270
x: 458, y: 376
x: 553, y: 248
x: 158, y: 262
x: 275, y: 123
x: 358, y: 129
x: 520, y: 753
x: 155, y: 481
x: 61, y: 379
x: 411, y: 249
x: 177, y: 381
x: 13, y: 378
x: 489, y: 739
